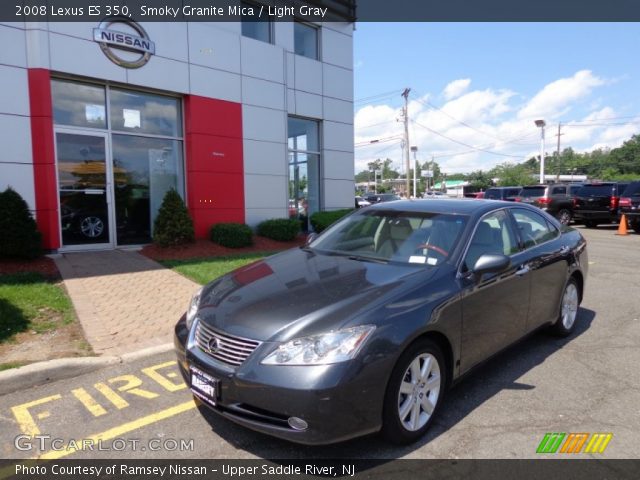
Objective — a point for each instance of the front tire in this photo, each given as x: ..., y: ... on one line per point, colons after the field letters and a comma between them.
x: 568, y: 309
x: 636, y: 227
x: 590, y: 223
x: 414, y: 393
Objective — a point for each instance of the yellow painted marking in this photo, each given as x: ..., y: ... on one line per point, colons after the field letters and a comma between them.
x: 24, y: 418
x: 131, y: 386
x: 112, y: 396
x: 89, y: 402
x: 122, y: 429
x: 594, y: 444
x: 152, y: 372
x: 607, y: 439
x: 43, y: 415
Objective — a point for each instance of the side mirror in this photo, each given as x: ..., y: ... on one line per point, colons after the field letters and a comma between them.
x: 311, y: 237
x: 491, y: 263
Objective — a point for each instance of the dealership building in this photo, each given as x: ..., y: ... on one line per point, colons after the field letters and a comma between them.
x: 246, y: 120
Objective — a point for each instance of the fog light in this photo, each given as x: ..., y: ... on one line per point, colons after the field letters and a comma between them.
x: 297, y: 423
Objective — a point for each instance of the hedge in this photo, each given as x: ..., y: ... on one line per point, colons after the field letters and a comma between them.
x: 321, y: 220
x: 19, y: 235
x: 173, y: 225
x: 281, y: 229
x: 232, y: 235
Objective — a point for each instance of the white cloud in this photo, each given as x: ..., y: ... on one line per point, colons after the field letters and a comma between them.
x: 456, y: 88
x: 556, y: 98
x: 495, y: 121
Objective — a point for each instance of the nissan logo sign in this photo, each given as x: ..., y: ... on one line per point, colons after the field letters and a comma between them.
x: 117, y: 44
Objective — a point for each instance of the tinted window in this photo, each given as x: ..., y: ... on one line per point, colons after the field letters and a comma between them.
x: 573, y: 189
x: 621, y: 187
x: 493, y: 235
x: 493, y: 193
x: 603, y: 189
x: 534, y: 229
x: 633, y: 190
x: 305, y: 40
x: 255, y: 27
x: 559, y: 190
x: 533, y: 191
x: 512, y: 192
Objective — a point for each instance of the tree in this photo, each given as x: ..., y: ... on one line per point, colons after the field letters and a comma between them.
x: 479, y: 179
x: 19, y: 235
x: 173, y: 225
x: 513, y: 174
x: 387, y: 171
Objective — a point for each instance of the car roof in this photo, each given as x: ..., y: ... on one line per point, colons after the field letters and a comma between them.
x: 463, y: 206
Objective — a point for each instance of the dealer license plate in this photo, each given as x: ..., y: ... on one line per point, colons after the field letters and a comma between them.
x: 204, y: 386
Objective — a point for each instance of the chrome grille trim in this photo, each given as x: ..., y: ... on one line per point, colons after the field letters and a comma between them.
x: 231, y: 349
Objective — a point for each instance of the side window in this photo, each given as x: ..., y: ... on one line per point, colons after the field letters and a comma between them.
x: 533, y: 228
x: 493, y: 235
x: 560, y: 190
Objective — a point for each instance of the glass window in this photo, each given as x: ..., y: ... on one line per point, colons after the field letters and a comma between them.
x: 139, y: 112
x: 304, y: 168
x: 144, y: 170
x: 305, y: 38
x: 258, y: 28
x: 559, y: 190
x: 493, y: 234
x: 533, y: 228
x: 78, y: 104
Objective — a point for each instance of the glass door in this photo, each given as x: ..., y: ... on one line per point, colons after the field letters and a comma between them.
x: 83, y: 186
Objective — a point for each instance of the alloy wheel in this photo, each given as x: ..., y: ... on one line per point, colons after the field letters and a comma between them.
x: 419, y: 392
x: 569, y: 306
x: 92, y: 226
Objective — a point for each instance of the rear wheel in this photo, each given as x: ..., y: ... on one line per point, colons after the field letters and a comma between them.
x: 636, y: 226
x: 414, y: 392
x: 590, y: 223
x: 568, y: 310
x: 564, y: 216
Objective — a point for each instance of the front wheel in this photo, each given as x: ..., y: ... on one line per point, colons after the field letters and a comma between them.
x: 590, y: 223
x: 414, y: 393
x: 568, y: 310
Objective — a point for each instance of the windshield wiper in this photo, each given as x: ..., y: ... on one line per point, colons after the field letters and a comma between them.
x: 364, y: 258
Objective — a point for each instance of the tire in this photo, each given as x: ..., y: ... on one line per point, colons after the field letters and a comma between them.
x: 564, y: 216
x: 636, y: 227
x: 408, y: 414
x: 567, y: 317
x: 590, y: 223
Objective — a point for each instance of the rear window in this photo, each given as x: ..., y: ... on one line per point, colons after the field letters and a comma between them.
x: 493, y: 193
x: 633, y: 190
x: 533, y: 191
x: 595, y: 190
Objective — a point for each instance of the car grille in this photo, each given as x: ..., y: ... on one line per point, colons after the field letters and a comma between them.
x: 224, y: 347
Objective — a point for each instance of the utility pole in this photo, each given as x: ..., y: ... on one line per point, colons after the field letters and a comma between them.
x: 405, y: 114
x: 558, y: 152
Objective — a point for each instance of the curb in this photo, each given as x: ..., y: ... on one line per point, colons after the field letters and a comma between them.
x: 50, y: 371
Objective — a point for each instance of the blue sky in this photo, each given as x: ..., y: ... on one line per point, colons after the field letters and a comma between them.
x: 496, y: 78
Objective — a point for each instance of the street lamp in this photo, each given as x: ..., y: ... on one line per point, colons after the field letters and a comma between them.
x: 541, y: 124
x: 414, y: 149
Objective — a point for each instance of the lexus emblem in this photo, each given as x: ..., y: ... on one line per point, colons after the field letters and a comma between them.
x: 214, y: 345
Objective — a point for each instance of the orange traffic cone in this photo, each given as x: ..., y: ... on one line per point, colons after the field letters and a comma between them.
x: 622, y: 228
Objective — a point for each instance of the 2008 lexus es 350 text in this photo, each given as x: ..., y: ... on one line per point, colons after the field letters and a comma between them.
x: 365, y: 327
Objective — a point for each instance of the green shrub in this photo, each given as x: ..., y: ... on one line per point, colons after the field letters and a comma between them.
x: 19, y: 235
x: 232, y: 235
x: 173, y: 225
x: 321, y: 220
x: 282, y: 229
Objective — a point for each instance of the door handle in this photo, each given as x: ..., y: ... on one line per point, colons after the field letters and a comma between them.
x: 564, y: 250
x: 524, y: 269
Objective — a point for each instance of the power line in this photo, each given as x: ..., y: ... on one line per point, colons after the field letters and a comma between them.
x: 465, y: 144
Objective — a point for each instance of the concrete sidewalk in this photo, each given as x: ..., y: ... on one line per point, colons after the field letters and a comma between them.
x: 124, y: 301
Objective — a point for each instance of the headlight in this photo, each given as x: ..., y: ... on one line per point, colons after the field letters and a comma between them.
x: 193, y: 308
x: 332, y: 347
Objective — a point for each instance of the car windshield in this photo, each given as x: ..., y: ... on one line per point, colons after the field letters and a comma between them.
x: 492, y: 194
x: 393, y: 236
x: 532, y: 192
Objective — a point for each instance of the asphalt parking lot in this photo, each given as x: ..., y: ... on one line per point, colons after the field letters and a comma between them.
x: 587, y: 383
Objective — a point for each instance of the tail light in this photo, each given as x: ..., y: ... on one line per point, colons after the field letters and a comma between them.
x: 544, y: 200
x: 575, y: 202
x: 517, y: 199
x: 624, y: 202
x: 614, y: 202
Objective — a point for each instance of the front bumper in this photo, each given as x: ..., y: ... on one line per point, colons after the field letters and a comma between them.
x: 338, y: 402
x: 595, y: 215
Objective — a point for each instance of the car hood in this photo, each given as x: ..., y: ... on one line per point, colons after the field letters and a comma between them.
x: 300, y: 292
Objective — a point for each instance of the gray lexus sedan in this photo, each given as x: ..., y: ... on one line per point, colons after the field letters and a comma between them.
x: 365, y: 328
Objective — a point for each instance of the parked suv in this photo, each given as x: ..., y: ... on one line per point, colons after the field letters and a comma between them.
x: 502, y: 193
x: 597, y: 203
x: 630, y: 205
x: 555, y: 199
